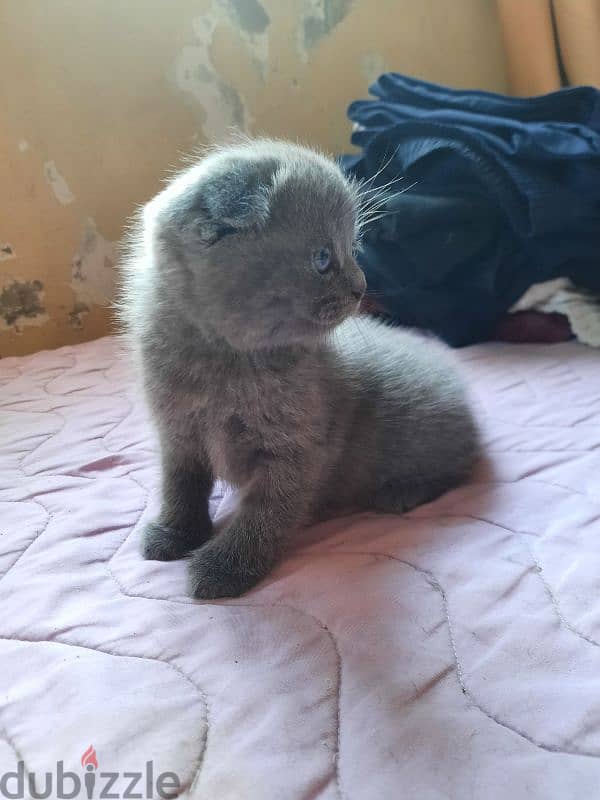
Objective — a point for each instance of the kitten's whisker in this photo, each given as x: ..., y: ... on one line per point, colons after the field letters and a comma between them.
x: 383, y: 167
x: 375, y: 207
x: 369, y: 210
x: 382, y: 216
x: 377, y: 215
x: 386, y: 198
x: 376, y: 191
x: 380, y: 191
x: 389, y: 195
x: 383, y: 198
x: 407, y: 188
x: 374, y: 213
x: 383, y: 186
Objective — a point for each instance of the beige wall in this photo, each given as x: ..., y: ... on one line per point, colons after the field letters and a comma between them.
x: 99, y: 98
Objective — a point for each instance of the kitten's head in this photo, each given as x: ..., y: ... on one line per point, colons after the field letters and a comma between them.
x: 256, y: 244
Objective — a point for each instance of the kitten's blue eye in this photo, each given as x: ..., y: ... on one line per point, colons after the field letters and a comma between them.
x: 322, y: 260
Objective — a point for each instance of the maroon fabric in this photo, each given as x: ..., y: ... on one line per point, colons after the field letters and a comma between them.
x: 533, y: 326
x: 521, y: 327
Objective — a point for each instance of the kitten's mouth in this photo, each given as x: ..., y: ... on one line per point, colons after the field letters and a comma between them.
x: 331, y: 311
x: 327, y: 314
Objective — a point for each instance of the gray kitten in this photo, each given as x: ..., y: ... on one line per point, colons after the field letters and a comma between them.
x: 241, y: 296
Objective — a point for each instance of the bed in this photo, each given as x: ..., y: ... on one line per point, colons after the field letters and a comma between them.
x: 450, y: 653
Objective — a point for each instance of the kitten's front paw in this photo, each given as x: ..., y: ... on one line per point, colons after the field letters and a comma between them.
x: 161, y: 543
x: 211, y: 575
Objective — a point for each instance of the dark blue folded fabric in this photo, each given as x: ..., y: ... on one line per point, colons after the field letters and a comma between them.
x: 506, y: 194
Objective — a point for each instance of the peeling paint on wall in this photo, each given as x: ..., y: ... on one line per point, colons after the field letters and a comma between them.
x: 58, y: 184
x: 250, y: 15
x: 195, y: 74
x: 318, y: 20
x: 220, y: 104
x: 7, y: 251
x: 21, y: 304
x: 372, y: 66
x: 251, y: 23
x: 93, y: 268
x: 77, y: 313
x: 23, y: 146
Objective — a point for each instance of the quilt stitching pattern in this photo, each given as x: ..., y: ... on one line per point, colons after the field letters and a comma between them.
x: 471, y: 548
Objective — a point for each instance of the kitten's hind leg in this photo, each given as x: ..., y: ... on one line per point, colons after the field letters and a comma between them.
x: 398, y: 496
x: 184, y: 522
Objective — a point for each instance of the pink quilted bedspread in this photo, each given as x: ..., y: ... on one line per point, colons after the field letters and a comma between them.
x: 450, y: 653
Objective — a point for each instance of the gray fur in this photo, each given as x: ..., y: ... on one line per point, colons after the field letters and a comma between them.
x: 257, y: 370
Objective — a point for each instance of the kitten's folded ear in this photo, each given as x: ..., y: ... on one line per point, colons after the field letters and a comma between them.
x: 232, y: 198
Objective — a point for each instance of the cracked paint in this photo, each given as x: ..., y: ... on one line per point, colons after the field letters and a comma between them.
x: 250, y: 15
x: 7, y: 251
x: 58, y: 184
x: 251, y: 23
x: 319, y: 19
x: 21, y: 304
x: 196, y: 75
x: 93, y: 268
x: 77, y: 313
x: 220, y: 103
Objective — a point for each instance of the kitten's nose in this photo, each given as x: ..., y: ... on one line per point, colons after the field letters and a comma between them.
x: 359, y: 285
